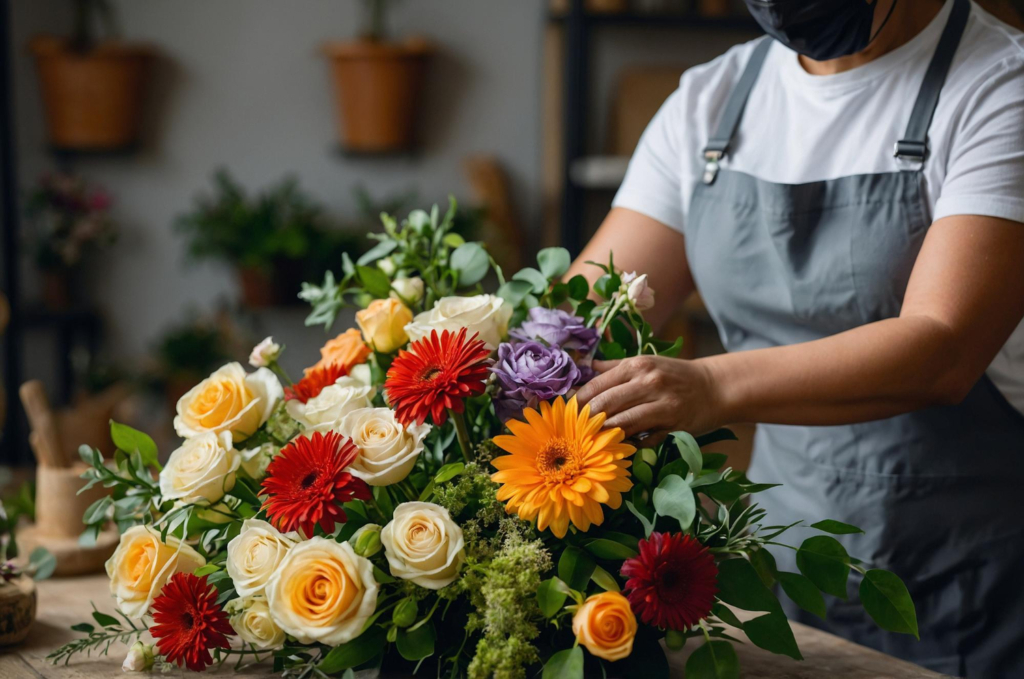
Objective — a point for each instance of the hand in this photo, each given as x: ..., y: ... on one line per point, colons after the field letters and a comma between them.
x: 653, y: 395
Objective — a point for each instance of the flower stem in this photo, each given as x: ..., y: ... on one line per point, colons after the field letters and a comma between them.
x: 463, y: 434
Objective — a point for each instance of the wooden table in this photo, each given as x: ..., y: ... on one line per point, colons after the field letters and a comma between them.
x: 63, y: 602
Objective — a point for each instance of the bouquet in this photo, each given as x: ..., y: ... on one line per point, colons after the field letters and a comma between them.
x: 431, y: 498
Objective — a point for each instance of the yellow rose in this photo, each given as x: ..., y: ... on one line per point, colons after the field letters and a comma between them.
x: 424, y: 545
x: 605, y: 625
x: 322, y: 592
x: 250, y: 617
x: 229, y: 400
x: 255, y: 553
x: 142, y: 564
x: 383, y: 324
x: 348, y: 349
x: 202, y: 470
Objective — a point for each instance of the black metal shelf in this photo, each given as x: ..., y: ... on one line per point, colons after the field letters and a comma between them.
x: 578, y: 25
x: 675, y: 21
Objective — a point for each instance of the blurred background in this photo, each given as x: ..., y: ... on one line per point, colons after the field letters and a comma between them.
x: 172, y: 171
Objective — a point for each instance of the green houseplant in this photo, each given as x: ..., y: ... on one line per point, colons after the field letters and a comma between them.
x: 377, y: 84
x: 275, y: 238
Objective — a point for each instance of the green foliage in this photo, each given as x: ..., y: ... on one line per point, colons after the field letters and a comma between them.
x: 888, y: 602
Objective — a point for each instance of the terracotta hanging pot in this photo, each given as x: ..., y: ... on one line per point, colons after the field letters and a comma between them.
x: 93, y: 100
x: 378, y: 87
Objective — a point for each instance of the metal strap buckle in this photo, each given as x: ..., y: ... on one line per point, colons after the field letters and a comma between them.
x: 911, y: 150
x: 712, y: 156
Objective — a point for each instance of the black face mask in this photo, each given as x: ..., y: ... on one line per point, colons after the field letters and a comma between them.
x: 818, y: 29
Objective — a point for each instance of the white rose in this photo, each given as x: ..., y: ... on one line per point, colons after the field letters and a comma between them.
x: 387, y: 265
x: 202, y: 470
x: 250, y: 618
x: 322, y: 592
x: 139, y: 659
x: 639, y: 293
x: 325, y: 410
x: 264, y: 353
x: 256, y: 460
x: 424, y: 545
x: 362, y: 374
x: 255, y: 553
x: 484, y: 315
x: 387, y: 450
x: 142, y: 564
x: 228, y: 400
x: 408, y: 289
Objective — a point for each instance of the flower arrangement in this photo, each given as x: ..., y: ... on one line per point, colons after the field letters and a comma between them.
x: 430, y: 495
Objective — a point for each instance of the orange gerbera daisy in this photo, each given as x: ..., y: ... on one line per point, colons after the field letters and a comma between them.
x: 562, y: 467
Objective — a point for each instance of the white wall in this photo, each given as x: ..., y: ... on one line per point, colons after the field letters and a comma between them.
x: 242, y: 85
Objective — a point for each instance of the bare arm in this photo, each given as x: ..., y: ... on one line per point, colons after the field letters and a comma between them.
x: 965, y: 297
x: 645, y: 245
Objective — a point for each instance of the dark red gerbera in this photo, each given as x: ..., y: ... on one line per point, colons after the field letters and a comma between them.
x: 673, y: 582
x: 307, y: 483
x: 188, y: 622
x: 314, y: 382
x: 436, y: 374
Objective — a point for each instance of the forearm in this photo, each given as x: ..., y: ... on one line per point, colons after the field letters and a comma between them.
x: 871, y: 372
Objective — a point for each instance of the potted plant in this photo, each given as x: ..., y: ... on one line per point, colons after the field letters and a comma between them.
x: 67, y: 218
x: 17, y: 580
x: 275, y: 239
x: 377, y: 85
x: 93, y: 90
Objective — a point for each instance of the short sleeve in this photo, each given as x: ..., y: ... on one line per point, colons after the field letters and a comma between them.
x: 985, y: 166
x: 653, y: 182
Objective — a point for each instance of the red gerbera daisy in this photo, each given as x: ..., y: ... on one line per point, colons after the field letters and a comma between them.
x: 307, y: 483
x: 673, y: 582
x: 188, y: 621
x: 435, y: 375
x: 314, y: 382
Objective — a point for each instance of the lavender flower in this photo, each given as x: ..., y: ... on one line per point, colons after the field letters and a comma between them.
x: 530, y: 372
x: 559, y: 329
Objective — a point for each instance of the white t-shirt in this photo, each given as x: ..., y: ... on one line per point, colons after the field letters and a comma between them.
x: 799, y: 127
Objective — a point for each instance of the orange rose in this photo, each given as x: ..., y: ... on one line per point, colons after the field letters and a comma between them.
x: 606, y: 626
x: 348, y: 349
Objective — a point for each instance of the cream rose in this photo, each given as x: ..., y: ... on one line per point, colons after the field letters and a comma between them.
x: 424, y: 545
x: 228, y: 400
x: 483, y: 315
x: 606, y: 626
x: 322, y: 592
x: 202, y: 470
x: 387, y: 450
x: 383, y: 324
x: 408, y: 290
x: 142, y: 564
x: 250, y: 618
x: 255, y: 553
x: 325, y: 410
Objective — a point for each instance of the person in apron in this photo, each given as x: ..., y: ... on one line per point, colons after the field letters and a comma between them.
x: 867, y: 315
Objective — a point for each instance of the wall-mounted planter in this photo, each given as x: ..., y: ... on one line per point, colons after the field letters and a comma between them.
x: 378, y: 87
x: 93, y: 100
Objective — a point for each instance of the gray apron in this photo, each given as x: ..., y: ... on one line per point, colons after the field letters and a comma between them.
x: 939, y: 492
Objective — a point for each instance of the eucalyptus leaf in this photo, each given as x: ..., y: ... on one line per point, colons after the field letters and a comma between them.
x: 689, y: 450
x: 471, y: 262
x: 674, y: 497
x: 537, y: 280
x: 514, y: 292
x: 553, y: 262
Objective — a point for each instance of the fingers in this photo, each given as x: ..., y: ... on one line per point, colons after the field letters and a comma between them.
x: 645, y: 417
x: 606, y: 380
x: 615, y: 400
x: 605, y: 366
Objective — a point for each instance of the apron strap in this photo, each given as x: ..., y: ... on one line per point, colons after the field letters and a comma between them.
x: 914, y: 145
x: 718, y: 145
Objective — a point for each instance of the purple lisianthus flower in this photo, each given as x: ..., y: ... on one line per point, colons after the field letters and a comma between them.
x: 530, y: 372
x: 557, y: 328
